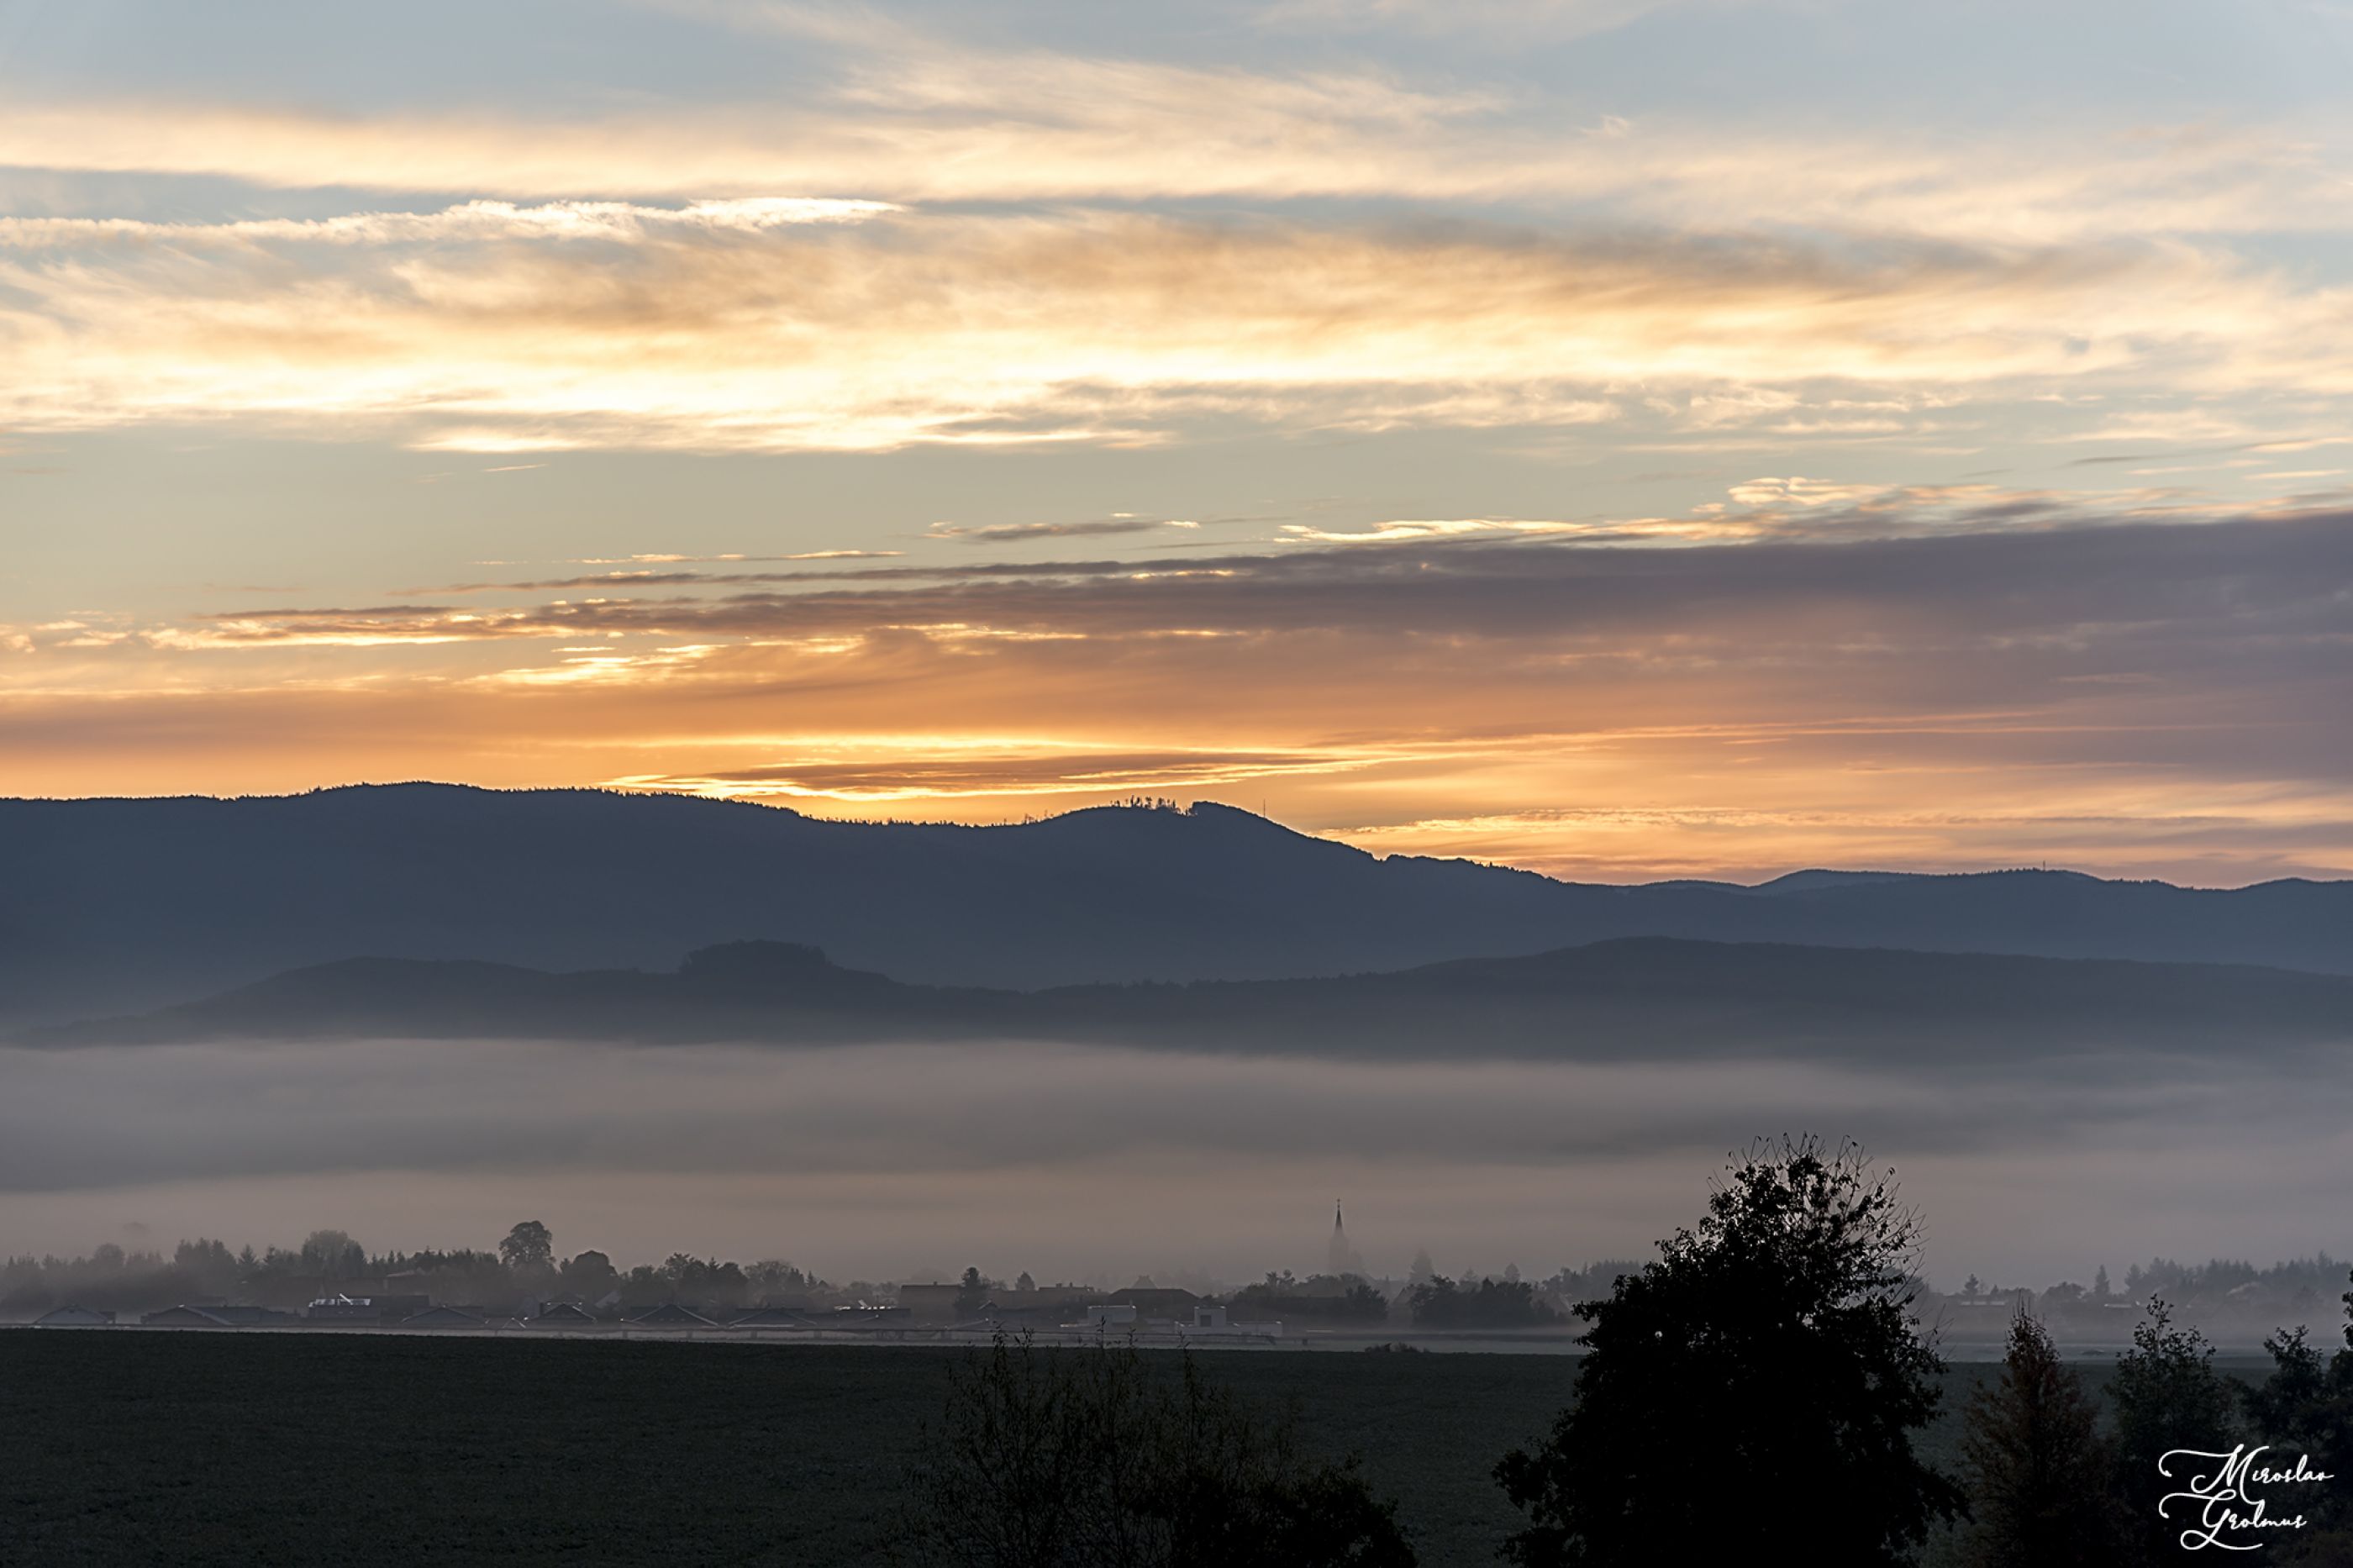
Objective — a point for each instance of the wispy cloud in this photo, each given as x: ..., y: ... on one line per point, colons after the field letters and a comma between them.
x: 935, y: 124
x: 1017, y: 533
x: 982, y: 331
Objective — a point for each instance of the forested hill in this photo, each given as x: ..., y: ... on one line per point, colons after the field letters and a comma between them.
x: 1647, y: 998
x: 123, y: 905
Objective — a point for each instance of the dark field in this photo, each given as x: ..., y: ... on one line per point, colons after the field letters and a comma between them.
x: 252, y: 1449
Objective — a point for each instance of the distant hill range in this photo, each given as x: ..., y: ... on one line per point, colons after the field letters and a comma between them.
x: 1645, y: 997
x: 120, y: 906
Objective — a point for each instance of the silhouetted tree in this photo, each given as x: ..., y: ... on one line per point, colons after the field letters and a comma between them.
x: 2039, y: 1472
x: 1755, y: 1390
x: 1084, y: 1459
x: 2306, y: 1407
x: 529, y: 1247
x: 588, y: 1275
x: 1489, y: 1304
x: 2168, y: 1396
x: 1346, y: 1298
x: 773, y: 1277
x: 331, y: 1255
x: 974, y: 1295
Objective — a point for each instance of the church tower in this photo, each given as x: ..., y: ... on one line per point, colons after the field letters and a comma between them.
x: 1340, y: 1258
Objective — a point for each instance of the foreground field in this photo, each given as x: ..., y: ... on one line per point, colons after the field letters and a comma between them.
x: 259, y: 1448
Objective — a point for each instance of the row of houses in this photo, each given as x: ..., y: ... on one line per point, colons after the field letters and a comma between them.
x: 1162, y: 1313
x: 360, y: 1311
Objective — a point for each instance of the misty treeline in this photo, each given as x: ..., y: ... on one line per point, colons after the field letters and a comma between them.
x: 2220, y: 1287
x: 1753, y: 1394
x: 525, y: 1264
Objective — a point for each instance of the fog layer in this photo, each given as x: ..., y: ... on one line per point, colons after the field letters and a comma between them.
x: 879, y: 1162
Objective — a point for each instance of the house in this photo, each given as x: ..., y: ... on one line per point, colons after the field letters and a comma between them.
x: 73, y: 1318
x: 344, y: 1309
x: 441, y: 1318
x: 184, y: 1318
x: 669, y: 1315
x: 563, y: 1315
x: 931, y: 1303
x: 1108, y: 1315
x: 1041, y: 1309
x: 239, y: 1315
x: 1154, y: 1302
x: 865, y: 1317
x: 773, y: 1317
x: 1213, y: 1320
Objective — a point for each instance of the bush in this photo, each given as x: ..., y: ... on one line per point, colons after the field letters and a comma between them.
x: 1086, y: 1460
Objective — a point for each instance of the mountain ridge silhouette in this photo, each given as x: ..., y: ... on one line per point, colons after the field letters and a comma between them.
x: 124, y: 905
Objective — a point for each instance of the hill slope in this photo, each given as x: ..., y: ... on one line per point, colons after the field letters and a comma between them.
x: 1637, y: 997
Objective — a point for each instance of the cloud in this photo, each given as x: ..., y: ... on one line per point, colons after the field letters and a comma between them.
x: 1515, y: 21
x: 1017, y: 532
x: 986, y: 331
x: 469, y: 221
x: 908, y: 120
x: 872, y: 770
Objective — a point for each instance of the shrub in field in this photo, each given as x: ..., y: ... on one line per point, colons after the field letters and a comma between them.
x: 1090, y: 1458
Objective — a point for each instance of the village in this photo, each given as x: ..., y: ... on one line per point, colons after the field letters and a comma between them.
x: 927, y: 1311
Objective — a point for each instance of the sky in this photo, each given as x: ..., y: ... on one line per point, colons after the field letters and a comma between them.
x: 1628, y: 439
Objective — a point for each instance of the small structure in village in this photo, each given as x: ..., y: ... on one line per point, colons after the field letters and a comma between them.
x: 74, y: 1317
x: 563, y: 1315
x: 669, y: 1315
x: 442, y: 1318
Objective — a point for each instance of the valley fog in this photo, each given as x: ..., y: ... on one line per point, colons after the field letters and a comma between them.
x: 895, y: 1162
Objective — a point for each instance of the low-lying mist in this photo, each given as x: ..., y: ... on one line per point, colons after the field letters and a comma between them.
x: 880, y: 1162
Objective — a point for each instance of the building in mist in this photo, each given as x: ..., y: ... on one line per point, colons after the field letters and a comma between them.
x: 441, y: 1318
x: 342, y: 1309
x: 1156, y: 1301
x: 74, y: 1317
x: 791, y: 1318
x: 669, y: 1315
x: 930, y: 1304
x: 184, y: 1317
x: 563, y: 1315
x: 1339, y: 1258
